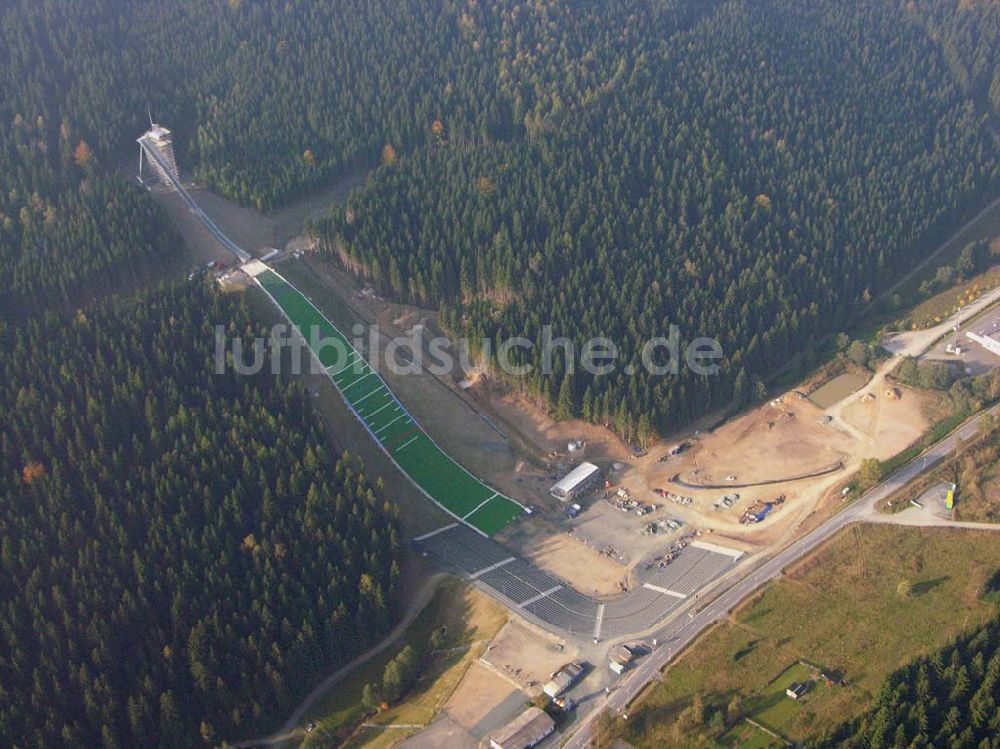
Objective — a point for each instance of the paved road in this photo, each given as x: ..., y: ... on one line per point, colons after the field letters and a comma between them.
x: 914, y: 518
x: 916, y: 342
x: 683, y: 630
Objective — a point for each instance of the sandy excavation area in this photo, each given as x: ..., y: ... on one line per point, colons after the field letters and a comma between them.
x: 770, y: 448
x: 479, y: 694
x: 785, y: 438
x: 889, y: 416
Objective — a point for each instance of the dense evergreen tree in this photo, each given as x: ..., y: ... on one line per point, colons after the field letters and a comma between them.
x: 755, y: 175
x: 180, y: 552
x: 969, y: 34
x: 67, y: 245
x: 537, y: 131
x: 951, y: 698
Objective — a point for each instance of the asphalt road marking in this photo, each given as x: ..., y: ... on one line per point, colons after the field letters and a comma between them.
x: 598, y: 621
x: 540, y: 596
x: 664, y: 591
x: 492, y: 567
x: 442, y: 529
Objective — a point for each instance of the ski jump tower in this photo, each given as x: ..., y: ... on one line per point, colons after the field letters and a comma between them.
x: 156, y: 146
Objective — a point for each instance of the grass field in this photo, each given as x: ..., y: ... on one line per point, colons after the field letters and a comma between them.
x: 443, y: 480
x: 746, y: 736
x: 840, y: 610
x: 774, y: 709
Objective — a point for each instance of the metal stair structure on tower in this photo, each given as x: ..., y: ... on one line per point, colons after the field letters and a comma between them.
x: 156, y: 146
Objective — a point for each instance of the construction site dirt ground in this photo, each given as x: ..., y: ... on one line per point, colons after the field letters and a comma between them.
x: 528, y: 656
x: 784, y: 438
x: 476, y: 701
x: 567, y: 556
x: 483, y: 703
x: 889, y: 421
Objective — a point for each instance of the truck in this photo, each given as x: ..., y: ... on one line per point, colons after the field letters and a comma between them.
x: 621, y: 658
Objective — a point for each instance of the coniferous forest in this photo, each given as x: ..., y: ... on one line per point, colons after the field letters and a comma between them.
x: 616, y: 129
x: 949, y: 699
x: 181, y: 553
x: 756, y: 174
